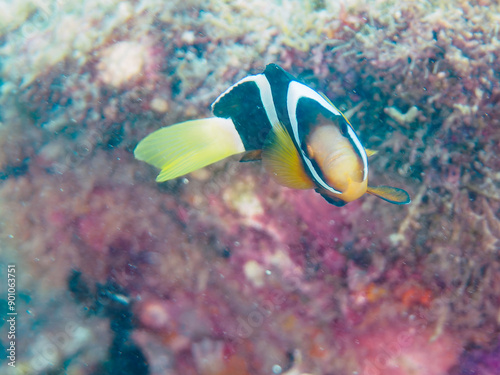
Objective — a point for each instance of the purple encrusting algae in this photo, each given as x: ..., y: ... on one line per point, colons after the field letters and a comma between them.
x: 224, y: 271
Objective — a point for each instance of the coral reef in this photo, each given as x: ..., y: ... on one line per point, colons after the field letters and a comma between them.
x: 224, y: 271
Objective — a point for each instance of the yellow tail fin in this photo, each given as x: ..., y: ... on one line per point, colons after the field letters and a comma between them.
x: 187, y: 146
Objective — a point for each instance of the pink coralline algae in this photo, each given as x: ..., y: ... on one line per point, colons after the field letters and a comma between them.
x: 130, y: 63
x: 223, y: 271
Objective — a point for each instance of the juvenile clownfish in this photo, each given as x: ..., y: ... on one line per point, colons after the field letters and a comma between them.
x: 303, y: 140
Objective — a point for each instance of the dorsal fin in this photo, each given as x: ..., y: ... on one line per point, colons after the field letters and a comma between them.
x: 281, y: 159
x: 238, y: 98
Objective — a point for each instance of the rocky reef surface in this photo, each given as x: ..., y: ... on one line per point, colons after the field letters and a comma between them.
x: 224, y: 271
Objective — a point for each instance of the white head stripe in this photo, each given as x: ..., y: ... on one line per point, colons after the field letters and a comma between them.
x: 297, y: 90
x: 361, y: 149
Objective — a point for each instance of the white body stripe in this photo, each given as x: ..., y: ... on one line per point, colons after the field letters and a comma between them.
x: 297, y: 90
x: 266, y: 95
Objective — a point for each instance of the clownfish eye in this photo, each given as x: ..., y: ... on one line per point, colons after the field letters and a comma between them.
x: 343, y: 127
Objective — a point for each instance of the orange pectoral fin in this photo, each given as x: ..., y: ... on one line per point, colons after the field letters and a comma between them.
x: 282, y: 161
x: 390, y: 194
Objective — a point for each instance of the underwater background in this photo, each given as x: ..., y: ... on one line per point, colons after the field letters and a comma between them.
x: 224, y: 271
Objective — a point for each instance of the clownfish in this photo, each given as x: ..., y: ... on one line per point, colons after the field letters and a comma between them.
x: 303, y: 140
